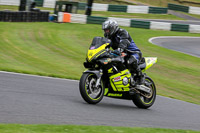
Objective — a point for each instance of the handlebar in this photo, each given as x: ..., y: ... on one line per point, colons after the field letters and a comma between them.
x: 132, y: 52
x: 126, y: 51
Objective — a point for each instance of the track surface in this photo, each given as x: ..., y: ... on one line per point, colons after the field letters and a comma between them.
x: 188, y: 45
x: 30, y: 99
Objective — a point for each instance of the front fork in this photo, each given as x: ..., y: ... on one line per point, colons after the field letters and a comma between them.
x: 98, y: 82
x: 98, y: 74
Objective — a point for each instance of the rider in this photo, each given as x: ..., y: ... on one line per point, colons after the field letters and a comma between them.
x: 121, y: 40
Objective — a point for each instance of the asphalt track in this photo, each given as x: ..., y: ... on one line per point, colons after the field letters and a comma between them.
x: 28, y: 99
x: 187, y: 45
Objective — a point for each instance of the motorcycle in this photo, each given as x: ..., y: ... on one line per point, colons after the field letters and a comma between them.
x: 107, y: 75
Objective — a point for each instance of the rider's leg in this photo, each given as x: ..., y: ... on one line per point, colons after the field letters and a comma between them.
x: 133, y: 67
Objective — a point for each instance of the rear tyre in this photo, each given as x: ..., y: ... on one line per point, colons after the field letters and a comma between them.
x: 144, y: 100
x: 89, y: 92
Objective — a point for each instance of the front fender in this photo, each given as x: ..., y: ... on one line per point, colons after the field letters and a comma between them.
x: 98, y: 73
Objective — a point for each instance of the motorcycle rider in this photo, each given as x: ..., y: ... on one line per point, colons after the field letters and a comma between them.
x: 120, y: 41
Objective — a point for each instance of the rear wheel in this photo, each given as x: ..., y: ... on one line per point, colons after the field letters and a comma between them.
x: 89, y: 92
x: 144, y: 100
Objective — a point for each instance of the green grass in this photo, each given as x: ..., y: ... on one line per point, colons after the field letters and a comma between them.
x: 59, y: 50
x: 189, y: 14
x: 16, y: 8
x: 136, y: 15
x: 108, y: 14
x: 164, y: 3
x: 192, y: 15
x: 7, y: 7
x: 19, y: 128
x: 120, y: 2
x: 112, y: 14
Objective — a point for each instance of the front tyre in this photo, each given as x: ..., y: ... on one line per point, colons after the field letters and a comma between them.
x: 144, y: 100
x: 89, y: 92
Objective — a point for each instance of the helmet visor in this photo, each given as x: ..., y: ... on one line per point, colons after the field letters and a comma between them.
x: 106, y: 31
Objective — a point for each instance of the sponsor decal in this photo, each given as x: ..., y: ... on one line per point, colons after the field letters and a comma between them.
x: 107, y: 61
x: 117, y: 79
x: 93, y: 47
x: 114, y: 95
x: 151, y: 60
x: 91, y: 53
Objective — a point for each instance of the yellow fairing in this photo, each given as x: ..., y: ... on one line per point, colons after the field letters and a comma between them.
x: 110, y: 70
x: 149, y: 62
x: 96, y: 52
x: 116, y: 81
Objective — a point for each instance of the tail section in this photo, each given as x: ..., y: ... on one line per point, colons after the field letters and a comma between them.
x: 149, y: 62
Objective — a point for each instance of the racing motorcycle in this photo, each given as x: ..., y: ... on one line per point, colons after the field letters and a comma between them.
x: 107, y: 75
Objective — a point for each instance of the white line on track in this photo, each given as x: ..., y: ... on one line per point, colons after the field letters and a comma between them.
x: 160, y: 37
x: 170, y: 37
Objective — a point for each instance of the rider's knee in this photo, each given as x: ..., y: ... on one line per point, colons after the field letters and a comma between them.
x: 132, y: 63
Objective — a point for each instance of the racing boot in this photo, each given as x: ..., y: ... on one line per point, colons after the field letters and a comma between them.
x: 141, y: 77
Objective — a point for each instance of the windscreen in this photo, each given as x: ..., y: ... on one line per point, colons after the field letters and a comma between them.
x: 98, y: 41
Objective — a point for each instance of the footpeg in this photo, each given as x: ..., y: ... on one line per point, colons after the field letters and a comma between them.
x: 132, y: 82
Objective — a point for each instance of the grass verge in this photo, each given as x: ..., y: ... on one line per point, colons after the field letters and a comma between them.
x: 58, y: 50
x: 119, y: 2
x: 16, y: 8
x: 164, y: 3
x: 133, y: 15
x: 111, y: 14
x: 19, y: 128
x: 107, y: 14
x: 192, y: 15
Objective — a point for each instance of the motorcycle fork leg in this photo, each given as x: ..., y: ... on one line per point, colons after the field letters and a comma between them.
x: 99, y: 79
x: 98, y: 82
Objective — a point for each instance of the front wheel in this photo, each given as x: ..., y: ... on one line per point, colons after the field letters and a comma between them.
x: 144, y: 100
x: 89, y: 92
